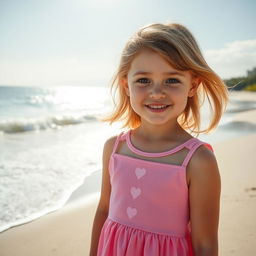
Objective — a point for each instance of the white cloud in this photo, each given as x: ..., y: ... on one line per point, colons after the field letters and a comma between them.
x: 234, y: 59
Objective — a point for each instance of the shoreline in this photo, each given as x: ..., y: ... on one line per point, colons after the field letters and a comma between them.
x: 89, y: 187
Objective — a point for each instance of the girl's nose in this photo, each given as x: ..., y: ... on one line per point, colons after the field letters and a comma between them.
x: 157, y: 92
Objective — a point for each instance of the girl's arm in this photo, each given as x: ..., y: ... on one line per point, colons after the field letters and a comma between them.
x: 102, y: 210
x: 204, y: 194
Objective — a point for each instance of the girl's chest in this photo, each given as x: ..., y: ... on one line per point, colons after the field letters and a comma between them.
x: 128, y: 172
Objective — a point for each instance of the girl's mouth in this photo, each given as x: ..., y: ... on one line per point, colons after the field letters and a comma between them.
x: 157, y: 107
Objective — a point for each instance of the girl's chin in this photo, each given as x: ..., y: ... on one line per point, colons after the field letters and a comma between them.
x: 156, y: 121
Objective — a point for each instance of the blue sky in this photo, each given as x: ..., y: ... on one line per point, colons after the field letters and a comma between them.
x: 78, y: 42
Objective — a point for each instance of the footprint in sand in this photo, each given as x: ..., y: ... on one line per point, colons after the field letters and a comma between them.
x: 252, y: 191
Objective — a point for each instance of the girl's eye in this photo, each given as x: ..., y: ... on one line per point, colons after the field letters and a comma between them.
x: 143, y: 81
x: 172, y: 81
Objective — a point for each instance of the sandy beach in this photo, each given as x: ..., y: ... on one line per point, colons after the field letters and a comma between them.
x: 67, y: 232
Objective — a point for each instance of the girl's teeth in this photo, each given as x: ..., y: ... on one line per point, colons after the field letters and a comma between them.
x: 158, y: 107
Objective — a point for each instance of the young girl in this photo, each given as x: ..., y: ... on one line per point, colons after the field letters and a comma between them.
x: 161, y: 186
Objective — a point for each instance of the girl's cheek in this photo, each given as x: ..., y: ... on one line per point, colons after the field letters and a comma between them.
x: 177, y: 89
x: 138, y: 89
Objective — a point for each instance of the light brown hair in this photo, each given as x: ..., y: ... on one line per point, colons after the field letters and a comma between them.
x: 177, y: 45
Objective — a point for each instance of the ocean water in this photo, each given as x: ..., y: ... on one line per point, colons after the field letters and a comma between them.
x: 51, y: 141
x: 33, y: 108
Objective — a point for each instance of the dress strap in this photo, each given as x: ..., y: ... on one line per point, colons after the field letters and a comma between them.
x: 193, y: 146
x: 119, y: 138
x: 160, y: 154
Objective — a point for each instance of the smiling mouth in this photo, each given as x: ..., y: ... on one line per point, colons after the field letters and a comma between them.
x: 157, y: 107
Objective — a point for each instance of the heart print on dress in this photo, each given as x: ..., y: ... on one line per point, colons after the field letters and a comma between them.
x: 135, y: 192
x: 131, y: 212
x: 140, y: 172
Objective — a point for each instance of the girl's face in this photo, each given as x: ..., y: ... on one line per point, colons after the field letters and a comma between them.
x: 158, y: 92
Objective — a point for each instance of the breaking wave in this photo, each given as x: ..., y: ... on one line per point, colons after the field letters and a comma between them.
x: 54, y: 122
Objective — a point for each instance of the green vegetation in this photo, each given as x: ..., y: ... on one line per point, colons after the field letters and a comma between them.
x: 247, y: 82
x: 251, y: 88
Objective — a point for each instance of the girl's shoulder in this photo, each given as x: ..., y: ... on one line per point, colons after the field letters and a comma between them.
x: 110, y: 143
x: 203, y: 154
x: 203, y: 162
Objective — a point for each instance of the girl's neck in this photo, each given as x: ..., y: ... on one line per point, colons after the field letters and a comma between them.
x: 158, y: 132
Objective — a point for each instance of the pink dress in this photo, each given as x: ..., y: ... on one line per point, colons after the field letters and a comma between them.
x: 149, y: 207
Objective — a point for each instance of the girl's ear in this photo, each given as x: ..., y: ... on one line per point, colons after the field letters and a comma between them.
x: 124, y: 83
x: 194, y: 85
